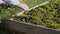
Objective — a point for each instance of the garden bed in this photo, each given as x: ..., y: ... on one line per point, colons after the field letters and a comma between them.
x: 42, y: 20
x: 47, y: 15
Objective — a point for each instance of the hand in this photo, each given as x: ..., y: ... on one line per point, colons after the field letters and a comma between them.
x: 23, y: 6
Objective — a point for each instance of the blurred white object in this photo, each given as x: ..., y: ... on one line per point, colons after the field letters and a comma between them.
x: 1, y: 1
x: 12, y: 2
x: 17, y: 3
x: 0, y: 21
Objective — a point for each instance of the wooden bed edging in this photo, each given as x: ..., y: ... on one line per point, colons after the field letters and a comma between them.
x: 29, y: 28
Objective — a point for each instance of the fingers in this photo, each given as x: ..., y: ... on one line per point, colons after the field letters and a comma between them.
x: 23, y: 6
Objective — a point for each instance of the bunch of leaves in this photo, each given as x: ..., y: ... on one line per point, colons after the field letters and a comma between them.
x: 47, y: 15
x: 7, y: 12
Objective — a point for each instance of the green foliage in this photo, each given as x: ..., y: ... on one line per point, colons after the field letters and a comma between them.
x: 7, y: 12
x: 53, y: 25
x: 32, y: 3
x: 47, y: 15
